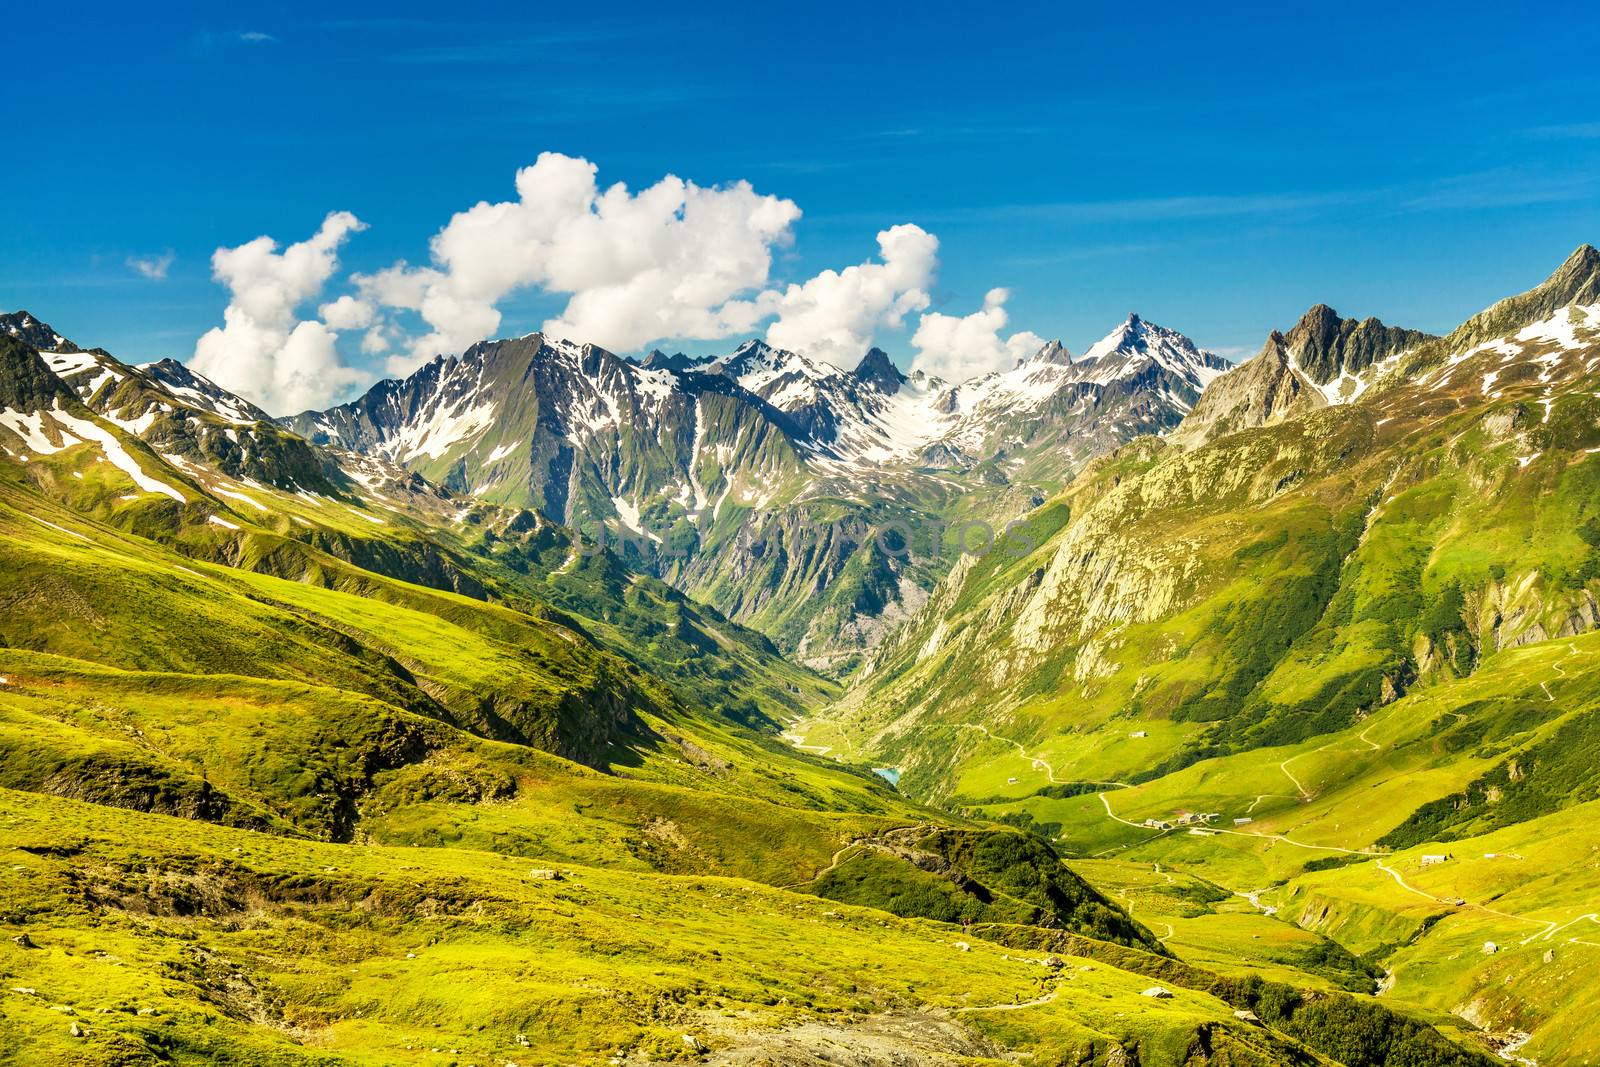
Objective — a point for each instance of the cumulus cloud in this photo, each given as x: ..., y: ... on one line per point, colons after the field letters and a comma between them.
x: 264, y: 351
x: 347, y: 313
x: 957, y: 347
x: 672, y: 260
x: 153, y: 267
x: 834, y: 315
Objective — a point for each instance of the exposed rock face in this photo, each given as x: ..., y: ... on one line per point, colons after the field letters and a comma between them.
x: 1322, y: 360
x: 1054, y: 352
x: 1327, y: 347
x: 760, y: 480
x: 173, y: 410
x: 201, y: 392
x: 878, y: 371
x: 1263, y: 390
x: 1576, y: 281
x: 26, y: 382
x: 30, y: 331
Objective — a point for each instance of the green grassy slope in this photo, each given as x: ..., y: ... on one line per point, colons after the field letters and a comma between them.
x: 1362, y: 630
x: 1271, y: 586
x: 384, y: 777
x: 149, y: 939
x: 322, y: 739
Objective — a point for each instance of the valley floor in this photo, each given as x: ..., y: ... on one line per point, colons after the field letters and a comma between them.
x: 142, y: 939
x: 1494, y: 935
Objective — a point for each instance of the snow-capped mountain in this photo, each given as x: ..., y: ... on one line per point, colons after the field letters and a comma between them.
x: 585, y: 436
x: 1139, y: 379
x: 1141, y: 376
x: 181, y: 415
x: 758, y: 479
x: 201, y: 392
x: 719, y: 466
x: 30, y: 331
x: 1138, y: 348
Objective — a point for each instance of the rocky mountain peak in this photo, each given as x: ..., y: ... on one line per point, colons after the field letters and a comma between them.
x: 1327, y: 347
x: 749, y: 356
x: 659, y: 360
x: 878, y: 370
x: 1131, y: 349
x: 1576, y: 281
x: 1134, y: 334
x: 1263, y: 389
x: 26, y: 383
x: 752, y: 350
x: 1319, y: 321
x: 1584, y: 262
x: 201, y: 392
x: 762, y: 369
x: 30, y: 331
x: 1054, y: 352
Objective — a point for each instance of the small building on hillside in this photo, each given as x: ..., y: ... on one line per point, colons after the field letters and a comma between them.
x: 1434, y: 859
x: 1197, y: 818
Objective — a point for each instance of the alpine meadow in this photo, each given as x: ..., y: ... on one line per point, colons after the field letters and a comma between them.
x: 611, y: 574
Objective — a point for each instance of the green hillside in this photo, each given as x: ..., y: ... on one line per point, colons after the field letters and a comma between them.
x: 348, y: 778
x: 307, y: 758
x: 1264, y: 662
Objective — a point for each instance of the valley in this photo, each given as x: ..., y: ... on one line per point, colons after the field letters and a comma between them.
x: 1411, y: 790
x: 551, y: 706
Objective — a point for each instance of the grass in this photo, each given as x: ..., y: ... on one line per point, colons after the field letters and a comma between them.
x: 217, y: 945
x: 1363, y: 633
x: 293, y: 783
x: 1526, y: 888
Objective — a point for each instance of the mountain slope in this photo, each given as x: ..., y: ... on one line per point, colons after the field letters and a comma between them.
x: 1279, y: 551
x: 318, y: 776
x: 1320, y: 631
x: 217, y: 659
x: 1323, y: 360
x: 712, y: 473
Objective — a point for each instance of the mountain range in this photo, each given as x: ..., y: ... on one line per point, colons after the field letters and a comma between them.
x: 550, y: 705
x: 711, y: 469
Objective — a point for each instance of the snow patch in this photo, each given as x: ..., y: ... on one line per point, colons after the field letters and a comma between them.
x: 119, y: 457
x: 628, y: 513
x: 69, y: 363
x: 502, y: 452
x: 30, y: 427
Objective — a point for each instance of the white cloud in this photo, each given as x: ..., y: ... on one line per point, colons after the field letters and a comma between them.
x: 673, y: 261
x: 834, y: 315
x: 153, y: 267
x: 669, y: 261
x: 959, y: 347
x: 375, y: 342
x: 263, y: 351
x: 347, y: 313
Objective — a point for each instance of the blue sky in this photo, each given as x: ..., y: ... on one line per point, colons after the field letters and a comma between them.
x: 1217, y: 172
